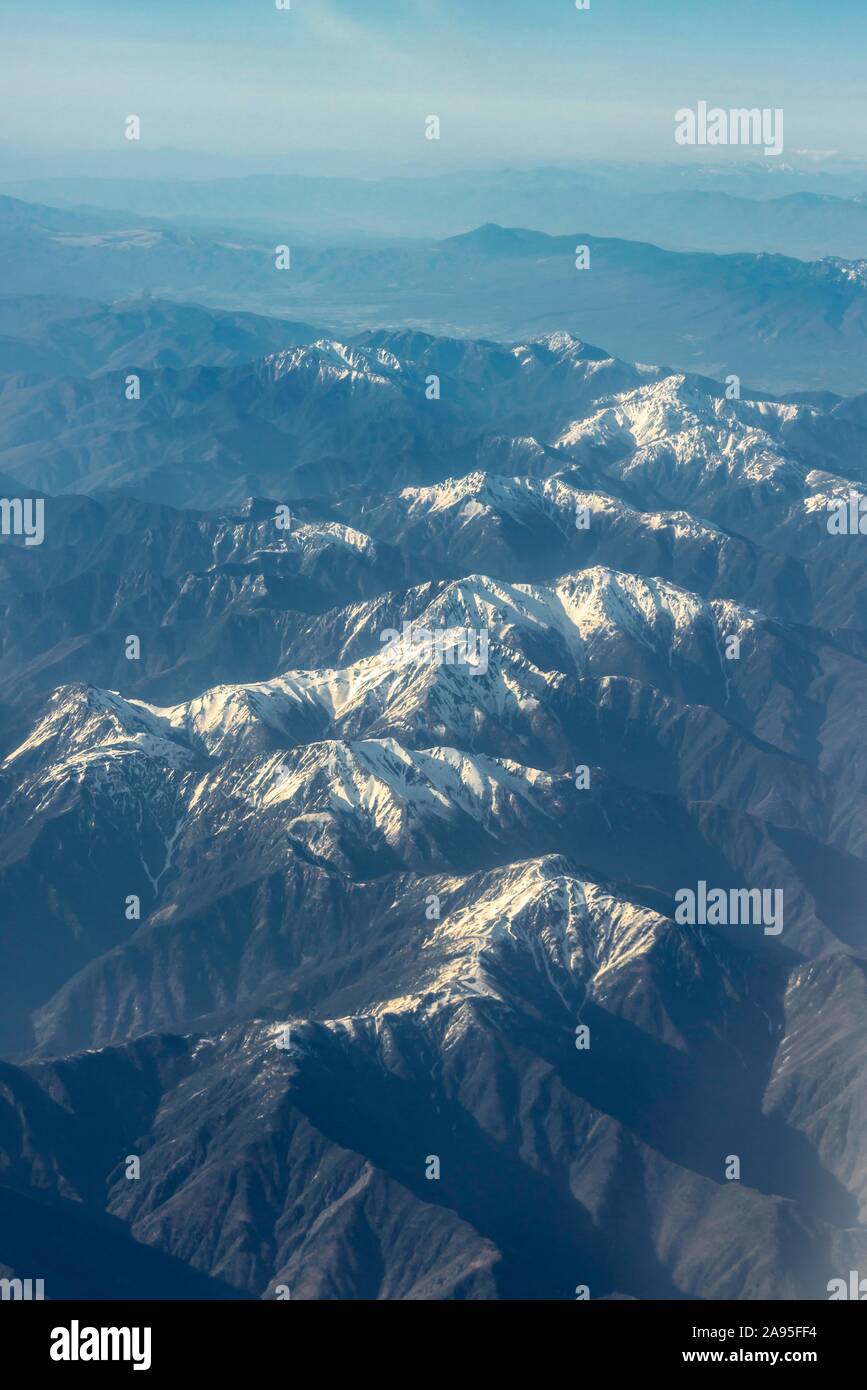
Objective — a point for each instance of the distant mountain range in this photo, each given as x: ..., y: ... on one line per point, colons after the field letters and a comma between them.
x: 778, y: 323
x: 51, y: 336
x: 687, y: 209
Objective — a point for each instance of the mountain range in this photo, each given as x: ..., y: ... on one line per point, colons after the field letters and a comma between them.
x: 369, y: 954
x: 699, y: 209
x: 778, y: 323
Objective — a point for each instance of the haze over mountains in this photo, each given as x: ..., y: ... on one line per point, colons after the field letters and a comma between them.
x: 757, y: 207
x: 498, y: 282
x: 297, y: 898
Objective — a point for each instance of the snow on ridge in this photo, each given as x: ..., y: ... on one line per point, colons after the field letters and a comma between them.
x: 378, y: 784
x: 580, y: 605
x: 320, y: 534
x: 232, y: 541
x: 581, y: 609
x: 552, y: 494
x: 534, y: 922
x: 334, y: 359
x: 79, y: 718
x: 674, y: 413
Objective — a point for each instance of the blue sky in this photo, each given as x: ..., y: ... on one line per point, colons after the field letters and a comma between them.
x: 349, y: 82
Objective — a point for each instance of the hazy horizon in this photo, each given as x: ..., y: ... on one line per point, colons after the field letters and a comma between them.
x: 326, y: 86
